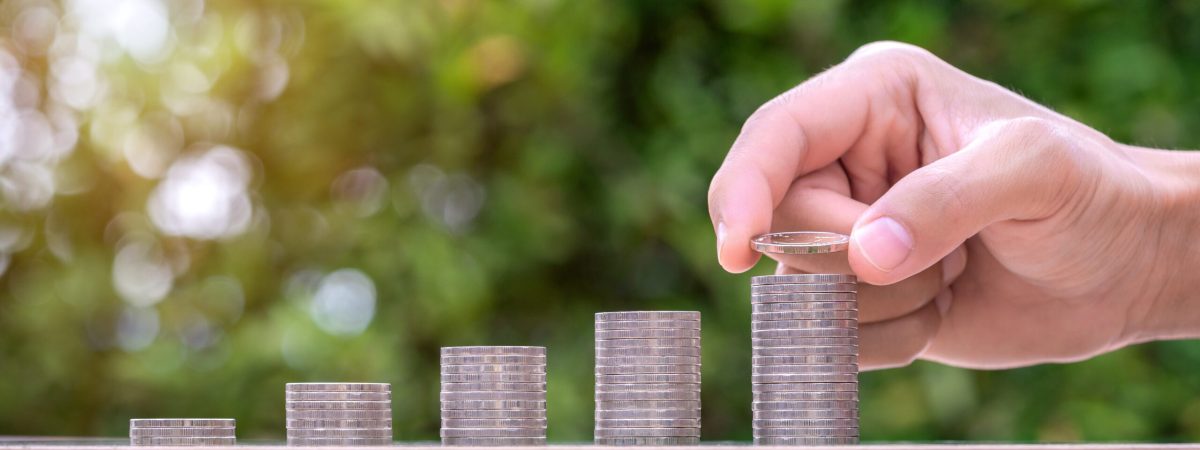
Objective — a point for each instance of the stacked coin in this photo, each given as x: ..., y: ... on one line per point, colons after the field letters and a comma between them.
x: 493, y: 396
x: 181, y: 432
x: 805, y: 340
x: 339, y: 414
x: 648, y: 378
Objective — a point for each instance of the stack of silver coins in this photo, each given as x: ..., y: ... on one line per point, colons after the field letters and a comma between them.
x: 648, y: 378
x: 805, y: 341
x: 181, y: 432
x: 339, y: 414
x: 493, y: 396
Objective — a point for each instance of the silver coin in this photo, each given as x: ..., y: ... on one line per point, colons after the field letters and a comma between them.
x: 802, y: 306
x: 648, y: 395
x: 648, y: 423
x: 813, y: 368
x: 621, y: 343
x: 494, y: 368
x: 802, y: 278
x: 659, y: 368
x: 325, y: 414
x: 647, y: 315
x: 494, y: 441
x: 798, y: 288
x: 849, y: 297
x: 804, y: 404
x: 800, y: 242
x: 805, y: 414
x: 494, y: 404
x: 780, y: 338
x: 789, y: 396
x: 182, y: 432
x: 494, y: 350
x: 805, y: 378
x: 180, y: 423
x: 328, y: 405
x: 182, y: 441
x: 339, y: 442
x: 809, y: 359
x: 339, y: 423
x: 647, y: 351
x: 338, y: 396
x: 805, y: 441
x: 647, y: 324
x: 648, y: 441
x: 339, y: 387
x: 448, y: 414
x: 492, y: 432
x: 649, y: 378
x: 339, y: 433
x: 640, y: 360
x: 493, y: 359
x: 646, y: 432
x: 803, y: 351
x: 492, y: 395
x: 642, y: 414
x: 512, y: 387
x: 806, y: 423
x: 493, y: 378
x: 802, y: 324
x: 805, y: 333
x: 649, y: 333
x: 806, y: 387
x: 806, y: 432
x: 494, y: 423
x: 615, y: 405
x: 637, y: 387
x: 804, y: 315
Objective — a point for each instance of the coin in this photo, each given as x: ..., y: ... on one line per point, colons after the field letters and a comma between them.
x: 802, y: 324
x: 493, y: 414
x: 177, y: 441
x: 806, y: 423
x: 616, y: 343
x: 492, y: 432
x: 800, y: 242
x: 787, y: 396
x: 338, y: 442
x: 792, y: 441
x: 338, y: 396
x: 494, y: 350
x: 325, y: 414
x: 472, y: 387
x: 339, y: 423
x: 648, y: 441
x: 648, y: 351
x: 648, y: 395
x: 494, y: 404
x: 810, y: 332
x: 817, y: 387
x: 646, y: 432
x: 804, y: 297
x: 494, y: 359
x: 614, y: 405
x: 811, y: 368
x: 658, y: 368
x: 179, y: 423
x: 495, y: 441
x: 784, y: 338
x: 328, y: 405
x: 643, y: 324
x: 336, y: 387
x: 492, y: 395
x: 638, y: 414
x: 803, y: 351
x: 493, y: 377
x: 182, y: 432
x: 640, y: 360
x: 649, y: 378
x: 802, y: 278
x: 804, y: 315
x: 760, y: 308
x: 632, y: 387
x: 494, y: 368
x: 805, y: 432
x: 649, y: 333
x: 494, y: 423
x: 647, y: 315
x: 809, y: 359
x: 798, y: 288
x: 805, y: 414
x: 648, y: 423
x: 805, y: 378
x: 804, y: 404
x: 339, y: 433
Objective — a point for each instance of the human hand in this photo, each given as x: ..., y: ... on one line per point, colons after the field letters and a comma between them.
x: 987, y: 231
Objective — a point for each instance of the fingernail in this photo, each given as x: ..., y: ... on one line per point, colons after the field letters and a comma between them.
x: 884, y: 242
x: 720, y: 239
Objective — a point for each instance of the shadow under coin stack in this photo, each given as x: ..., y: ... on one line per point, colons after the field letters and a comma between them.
x: 181, y: 432
x: 648, y: 378
x: 493, y: 396
x: 339, y: 414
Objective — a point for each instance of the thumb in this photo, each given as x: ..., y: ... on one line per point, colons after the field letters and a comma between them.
x: 1023, y: 169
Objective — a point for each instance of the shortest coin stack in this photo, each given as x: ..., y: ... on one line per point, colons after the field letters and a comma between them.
x: 181, y: 432
x: 493, y: 395
x: 339, y: 414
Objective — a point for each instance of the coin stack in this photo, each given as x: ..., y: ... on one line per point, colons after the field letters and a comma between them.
x: 648, y: 378
x: 805, y: 341
x: 493, y: 396
x: 181, y: 432
x: 339, y: 414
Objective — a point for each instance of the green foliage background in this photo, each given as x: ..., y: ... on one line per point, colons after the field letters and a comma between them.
x: 591, y: 127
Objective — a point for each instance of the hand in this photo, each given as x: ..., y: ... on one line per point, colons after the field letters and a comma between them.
x: 988, y: 231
